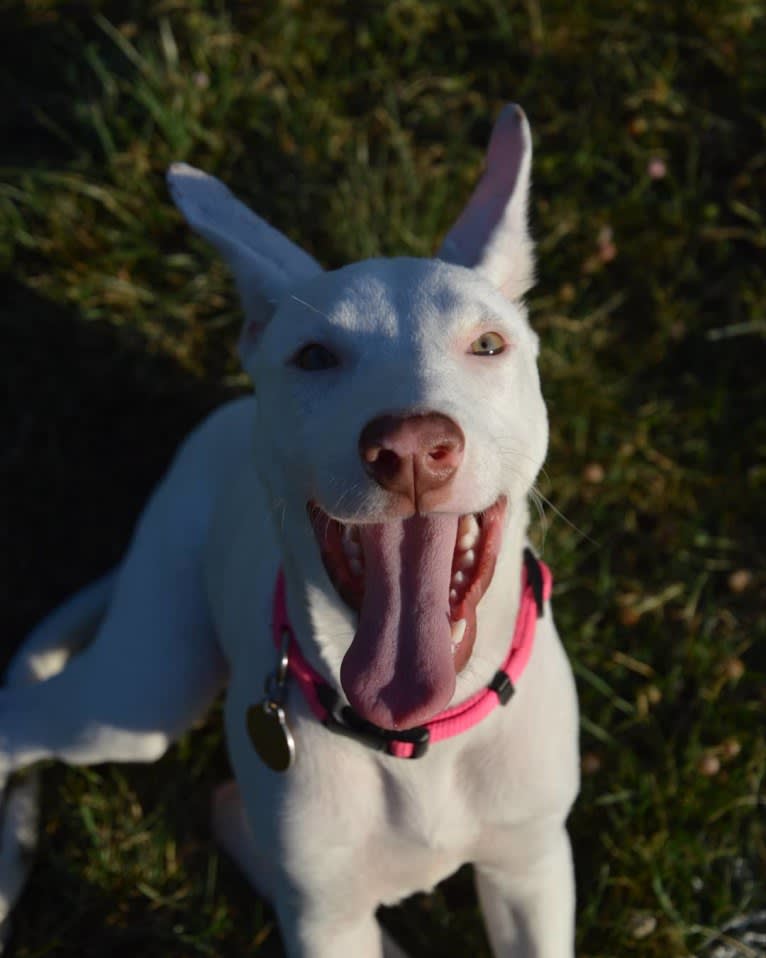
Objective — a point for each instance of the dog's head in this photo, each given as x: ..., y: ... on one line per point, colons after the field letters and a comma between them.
x: 400, y: 424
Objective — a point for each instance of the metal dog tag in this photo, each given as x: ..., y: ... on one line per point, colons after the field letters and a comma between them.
x: 270, y: 734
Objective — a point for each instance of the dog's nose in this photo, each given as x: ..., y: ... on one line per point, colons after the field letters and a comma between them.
x: 412, y: 455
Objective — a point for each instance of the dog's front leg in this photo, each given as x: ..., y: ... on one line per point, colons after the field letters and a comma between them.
x: 529, y: 910
x: 347, y: 939
x: 306, y: 931
x: 328, y: 929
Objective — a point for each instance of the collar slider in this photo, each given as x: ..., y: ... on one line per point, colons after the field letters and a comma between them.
x: 501, y: 684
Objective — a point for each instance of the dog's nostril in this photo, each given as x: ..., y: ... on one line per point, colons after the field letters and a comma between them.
x: 387, y: 463
x: 411, y: 455
x: 440, y: 452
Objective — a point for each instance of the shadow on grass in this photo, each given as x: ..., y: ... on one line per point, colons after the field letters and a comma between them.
x: 89, y: 423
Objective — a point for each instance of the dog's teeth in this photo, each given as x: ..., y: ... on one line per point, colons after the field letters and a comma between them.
x: 457, y: 633
x: 464, y: 523
x: 352, y: 549
x: 356, y: 566
x: 350, y: 540
x: 469, y: 533
x: 458, y: 579
x: 453, y: 595
x: 466, y: 559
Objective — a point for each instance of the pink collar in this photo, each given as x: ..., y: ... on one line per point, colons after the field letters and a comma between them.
x: 327, y: 706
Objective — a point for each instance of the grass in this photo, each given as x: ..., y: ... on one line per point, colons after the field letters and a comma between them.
x: 359, y: 129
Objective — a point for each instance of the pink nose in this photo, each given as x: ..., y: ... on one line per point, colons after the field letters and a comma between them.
x: 412, y: 455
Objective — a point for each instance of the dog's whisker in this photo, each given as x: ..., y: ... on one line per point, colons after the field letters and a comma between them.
x: 355, y: 490
x: 535, y: 497
x: 511, y: 450
x: 309, y: 306
x: 279, y: 512
x: 568, y: 521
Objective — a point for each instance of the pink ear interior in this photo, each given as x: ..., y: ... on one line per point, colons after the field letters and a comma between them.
x: 249, y: 337
x: 474, y: 227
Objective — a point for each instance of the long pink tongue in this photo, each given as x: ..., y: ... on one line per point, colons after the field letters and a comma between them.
x: 399, y: 670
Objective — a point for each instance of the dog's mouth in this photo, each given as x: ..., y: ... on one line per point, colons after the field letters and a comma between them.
x: 416, y: 583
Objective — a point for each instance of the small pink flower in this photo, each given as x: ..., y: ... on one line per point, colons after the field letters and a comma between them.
x: 657, y: 168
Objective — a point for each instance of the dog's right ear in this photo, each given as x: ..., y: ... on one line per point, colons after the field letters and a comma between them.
x: 265, y: 263
x: 491, y: 234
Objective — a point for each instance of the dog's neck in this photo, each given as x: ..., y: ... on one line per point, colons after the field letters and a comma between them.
x: 324, y: 627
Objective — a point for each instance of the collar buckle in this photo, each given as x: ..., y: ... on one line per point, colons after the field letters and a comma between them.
x: 343, y: 720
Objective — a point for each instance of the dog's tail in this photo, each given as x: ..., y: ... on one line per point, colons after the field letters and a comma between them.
x: 45, y: 652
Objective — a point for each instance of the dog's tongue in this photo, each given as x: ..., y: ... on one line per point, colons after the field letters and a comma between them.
x: 399, y: 670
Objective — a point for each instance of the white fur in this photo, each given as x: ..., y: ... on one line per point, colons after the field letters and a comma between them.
x: 346, y: 828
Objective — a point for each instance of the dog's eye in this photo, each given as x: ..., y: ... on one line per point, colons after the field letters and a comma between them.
x: 488, y: 344
x: 314, y: 357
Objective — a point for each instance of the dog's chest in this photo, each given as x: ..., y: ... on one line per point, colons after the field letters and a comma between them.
x: 405, y: 826
x: 422, y: 849
x: 428, y: 810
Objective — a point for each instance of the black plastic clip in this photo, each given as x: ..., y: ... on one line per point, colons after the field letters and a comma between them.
x: 502, y: 685
x: 343, y: 720
x: 535, y: 580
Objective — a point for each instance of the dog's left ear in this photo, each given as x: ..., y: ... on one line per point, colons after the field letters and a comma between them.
x: 491, y: 234
x: 265, y: 263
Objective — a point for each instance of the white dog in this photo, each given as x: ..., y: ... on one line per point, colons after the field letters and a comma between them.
x: 347, y: 554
